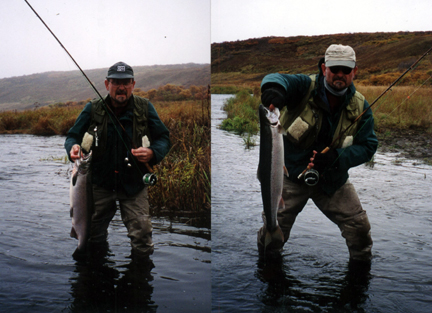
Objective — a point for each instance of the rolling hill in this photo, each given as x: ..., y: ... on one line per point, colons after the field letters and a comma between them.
x: 23, y: 92
x: 247, y: 61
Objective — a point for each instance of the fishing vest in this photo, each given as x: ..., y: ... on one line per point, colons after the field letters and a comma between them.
x: 303, y: 123
x: 99, y: 123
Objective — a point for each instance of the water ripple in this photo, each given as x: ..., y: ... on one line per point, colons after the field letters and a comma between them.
x: 313, y: 274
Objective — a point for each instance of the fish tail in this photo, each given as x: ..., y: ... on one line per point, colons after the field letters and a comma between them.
x: 73, y: 233
x: 79, y: 254
x: 274, y: 238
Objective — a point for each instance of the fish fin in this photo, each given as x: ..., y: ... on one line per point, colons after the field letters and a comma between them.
x: 274, y: 238
x: 281, y: 204
x: 286, y: 171
x: 267, y: 239
x: 74, y: 178
x: 73, y: 233
x: 281, y: 130
x: 79, y: 254
x: 258, y: 175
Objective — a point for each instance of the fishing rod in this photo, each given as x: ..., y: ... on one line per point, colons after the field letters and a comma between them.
x: 365, y: 110
x: 148, y: 179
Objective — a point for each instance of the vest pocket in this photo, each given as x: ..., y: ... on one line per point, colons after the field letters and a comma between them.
x: 299, y: 129
x: 347, y: 141
x: 87, y: 142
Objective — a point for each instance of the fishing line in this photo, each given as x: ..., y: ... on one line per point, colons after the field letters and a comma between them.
x: 409, y: 96
x: 399, y: 105
x: 148, y: 179
x: 376, y: 109
x: 395, y: 85
x: 397, y: 81
x: 364, y: 111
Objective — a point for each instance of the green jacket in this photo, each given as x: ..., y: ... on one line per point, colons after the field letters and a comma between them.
x: 297, y: 156
x: 109, y: 168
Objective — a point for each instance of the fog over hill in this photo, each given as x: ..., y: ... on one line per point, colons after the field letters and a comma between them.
x: 23, y: 92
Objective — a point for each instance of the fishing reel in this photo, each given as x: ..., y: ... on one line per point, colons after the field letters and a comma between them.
x: 311, y: 177
x: 150, y: 179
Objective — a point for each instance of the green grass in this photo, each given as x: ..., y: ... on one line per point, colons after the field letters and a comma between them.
x: 242, y: 114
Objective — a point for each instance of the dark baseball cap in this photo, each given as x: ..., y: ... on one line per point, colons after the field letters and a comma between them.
x: 120, y: 70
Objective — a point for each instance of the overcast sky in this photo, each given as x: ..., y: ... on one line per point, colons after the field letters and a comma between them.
x: 243, y: 19
x: 99, y: 33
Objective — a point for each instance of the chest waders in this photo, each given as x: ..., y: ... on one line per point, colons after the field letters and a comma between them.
x: 96, y: 136
x: 303, y: 124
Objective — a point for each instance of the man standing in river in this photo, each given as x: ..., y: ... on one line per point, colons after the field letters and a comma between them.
x: 117, y: 169
x: 316, y: 110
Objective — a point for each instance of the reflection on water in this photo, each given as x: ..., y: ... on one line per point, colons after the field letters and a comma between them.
x: 38, y: 273
x: 283, y: 289
x: 313, y: 273
x: 97, y: 287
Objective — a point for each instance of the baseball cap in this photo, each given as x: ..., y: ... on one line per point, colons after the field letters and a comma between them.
x: 339, y: 55
x: 120, y: 70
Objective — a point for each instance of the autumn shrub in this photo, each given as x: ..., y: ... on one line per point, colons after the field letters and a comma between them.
x: 415, y: 78
x: 229, y: 89
x: 65, y: 125
x: 184, y: 175
x: 44, y: 126
x: 8, y: 121
x: 51, y: 120
x: 171, y: 92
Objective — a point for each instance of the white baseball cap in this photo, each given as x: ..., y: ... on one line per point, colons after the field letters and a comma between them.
x: 339, y: 55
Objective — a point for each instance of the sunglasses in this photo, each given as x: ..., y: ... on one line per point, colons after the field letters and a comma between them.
x: 117, y: 82
x: 344, y: 69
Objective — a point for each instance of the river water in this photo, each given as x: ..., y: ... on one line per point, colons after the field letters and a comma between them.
x: 313, y: 274
x: 38, y: 273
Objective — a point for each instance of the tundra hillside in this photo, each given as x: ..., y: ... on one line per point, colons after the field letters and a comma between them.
x: 183, y: 187
x: 381, y: 57
x: 23, y: 92
x: 403, y: 115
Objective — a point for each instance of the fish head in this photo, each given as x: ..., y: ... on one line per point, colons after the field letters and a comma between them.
x: 86, y: 157
x: 81, y: 166
x: 268, y: 116
x: 83, y: 163
x: 273, y: 117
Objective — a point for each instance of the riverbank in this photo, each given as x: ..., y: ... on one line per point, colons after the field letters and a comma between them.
x: 403, y: 124
x: 184, y: 188
x: 414, y: 143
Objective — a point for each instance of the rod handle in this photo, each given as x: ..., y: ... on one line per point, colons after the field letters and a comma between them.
x: 148, y: 167
x: 309, y: 167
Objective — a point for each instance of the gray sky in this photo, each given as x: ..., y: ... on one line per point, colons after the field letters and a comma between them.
x: 99, y: 33
x: 243, y: 19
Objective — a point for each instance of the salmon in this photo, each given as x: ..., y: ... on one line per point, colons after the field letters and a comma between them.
x: 271, y: 174
x: 81, y: 202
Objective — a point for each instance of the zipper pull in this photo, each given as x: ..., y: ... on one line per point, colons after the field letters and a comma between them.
x: 96, y: 137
